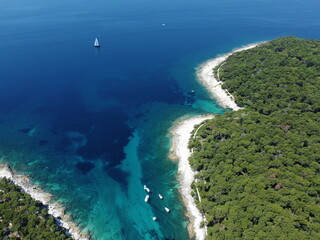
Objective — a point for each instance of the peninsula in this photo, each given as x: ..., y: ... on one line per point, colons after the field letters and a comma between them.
x: 257, y: 169
x: 181, y: 133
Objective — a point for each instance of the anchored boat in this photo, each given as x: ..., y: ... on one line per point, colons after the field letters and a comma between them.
x: 145, y: 188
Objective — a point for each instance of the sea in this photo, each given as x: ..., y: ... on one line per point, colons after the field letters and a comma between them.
x: 92, y: 125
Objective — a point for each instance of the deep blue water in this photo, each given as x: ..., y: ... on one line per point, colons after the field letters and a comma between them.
x: 92, y: 125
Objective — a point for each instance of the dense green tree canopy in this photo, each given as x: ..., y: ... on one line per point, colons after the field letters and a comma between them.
x: 21, y: 217
x: 258, y: 168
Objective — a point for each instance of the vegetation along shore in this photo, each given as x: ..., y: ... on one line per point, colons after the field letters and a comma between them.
x: 181, y: 133
x: 254, y: 171
x: 26, y: 211
x: 258, y: 167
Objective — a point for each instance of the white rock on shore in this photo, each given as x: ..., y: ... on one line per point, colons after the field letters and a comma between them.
x: 181, y: 133
x: 54, y: 209
x: 206, y: 77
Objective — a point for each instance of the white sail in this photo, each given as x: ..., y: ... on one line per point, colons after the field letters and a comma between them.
x: 96, y: 43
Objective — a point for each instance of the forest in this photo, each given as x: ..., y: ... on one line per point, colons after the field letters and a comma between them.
x: 257, y: 169
x: 22, y: 217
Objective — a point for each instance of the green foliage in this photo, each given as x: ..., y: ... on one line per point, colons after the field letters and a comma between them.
x: 258, y: 168
x: 22, y: 217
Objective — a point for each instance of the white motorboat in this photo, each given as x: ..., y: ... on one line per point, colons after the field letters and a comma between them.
x: 147, y: 189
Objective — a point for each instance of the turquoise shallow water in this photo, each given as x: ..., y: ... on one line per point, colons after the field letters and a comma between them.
x: 92, y: 125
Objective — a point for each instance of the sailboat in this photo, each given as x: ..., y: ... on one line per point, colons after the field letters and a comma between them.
x: 96, y: 43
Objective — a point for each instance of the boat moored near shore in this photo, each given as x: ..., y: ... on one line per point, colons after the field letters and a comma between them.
x: 147, y: 189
